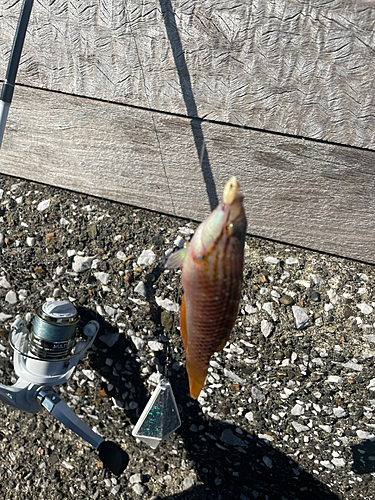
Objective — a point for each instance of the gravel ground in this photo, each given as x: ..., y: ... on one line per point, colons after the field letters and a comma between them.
x: 288, y: 409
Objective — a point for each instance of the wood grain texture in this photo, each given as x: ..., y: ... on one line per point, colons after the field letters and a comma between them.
x: 303, y: 68
x: 318, y: 196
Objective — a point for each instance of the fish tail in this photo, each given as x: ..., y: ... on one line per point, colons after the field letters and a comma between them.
x: 197, y: 376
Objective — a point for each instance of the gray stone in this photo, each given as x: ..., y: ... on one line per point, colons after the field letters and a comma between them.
x: 300, y: 316
x: 287, y: 300
x: 257, y: 394
x: 1, y: 240
x: 110, y: 339
x: 230, y: 439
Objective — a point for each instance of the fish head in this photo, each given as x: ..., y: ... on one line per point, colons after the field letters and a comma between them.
x: 228, y: 220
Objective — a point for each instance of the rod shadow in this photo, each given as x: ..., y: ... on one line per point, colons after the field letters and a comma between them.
x: 188, y: 96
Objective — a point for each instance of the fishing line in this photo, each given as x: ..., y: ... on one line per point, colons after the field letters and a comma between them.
x: 152, y: 112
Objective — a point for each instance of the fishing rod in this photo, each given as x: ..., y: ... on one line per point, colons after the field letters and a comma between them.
x: 14, y: 61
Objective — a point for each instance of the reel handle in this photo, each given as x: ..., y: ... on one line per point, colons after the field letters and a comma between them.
x: 113, y: 457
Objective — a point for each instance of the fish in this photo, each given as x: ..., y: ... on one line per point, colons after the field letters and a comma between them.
x: 212, y: 270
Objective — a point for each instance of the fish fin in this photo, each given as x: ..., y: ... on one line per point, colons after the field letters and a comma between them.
x: 176, y: 259
x: 197, y: 376
x: 222, y: 343
x: 183, y: 322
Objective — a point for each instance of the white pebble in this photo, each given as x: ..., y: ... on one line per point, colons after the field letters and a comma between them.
x: 30, y: 241
x: 141, y: 289
x: 102, y: 277
x: 339, y: 412
x: 268, y: 462
x: 11, y: 297
x: 251, y: 309
x: 299, y: 427
x: 300, y: 316
x: 266, y: 328
x: 120, y: 255
x: 326, y: 428
x: 179, y: 241
x: 271, y: 260
x: 146, y: 258
x: 327, y: 464
x: 268, y: 307
x: 139, y: 489
x: 89, y: 374
x: 154, y: 345
x: 365, y: 435
x: 4, y: 283
x: 353, y: 366
x: 249, y: 416
x: 110, y: 339
x: 81, y: 264
x: 167, y: 304
x: 233, y: 376
x: 111, y: 311
x: 297, y: 410
x: 138, y: 342
x: 334, y: 379
x: 338, y: 462
x: 365, y: 308
x: 291, y: 260
x: 316, y: 279
x: 43, y: 205
x: 135, y: 478
x: 4, y: 317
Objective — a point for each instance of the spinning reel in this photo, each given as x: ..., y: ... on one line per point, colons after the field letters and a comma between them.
x: 47, y: 356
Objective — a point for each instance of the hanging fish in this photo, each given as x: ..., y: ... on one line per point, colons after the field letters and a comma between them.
x: 212, y: 268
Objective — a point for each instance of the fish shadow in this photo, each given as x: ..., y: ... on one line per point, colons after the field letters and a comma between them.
x: 230, y: 462
x: 364, y: 457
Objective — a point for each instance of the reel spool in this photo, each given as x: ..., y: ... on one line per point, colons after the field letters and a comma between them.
x: 54, y: 329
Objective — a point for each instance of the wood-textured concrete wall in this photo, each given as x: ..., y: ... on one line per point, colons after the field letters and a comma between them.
x: 157, y: 102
